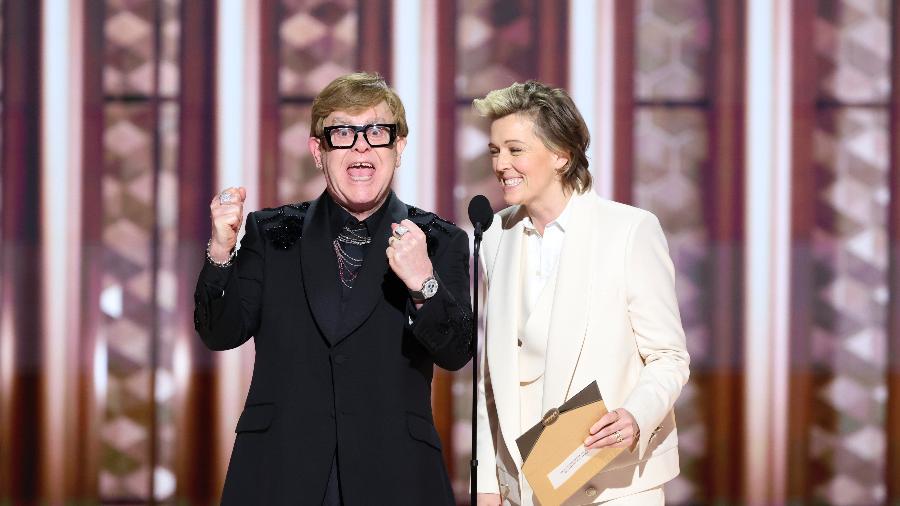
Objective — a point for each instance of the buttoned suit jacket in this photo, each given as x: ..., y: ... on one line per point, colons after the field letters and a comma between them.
x: 614, y: 319
x: 358, y: 382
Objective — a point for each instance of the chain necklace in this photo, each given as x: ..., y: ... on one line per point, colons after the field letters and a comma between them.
x: 348, y: 265
x: 349, y: 236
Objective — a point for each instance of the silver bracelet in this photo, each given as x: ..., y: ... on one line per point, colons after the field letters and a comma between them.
x: 224, y: 264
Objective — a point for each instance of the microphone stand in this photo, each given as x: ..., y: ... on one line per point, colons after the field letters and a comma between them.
x: 474, y: 464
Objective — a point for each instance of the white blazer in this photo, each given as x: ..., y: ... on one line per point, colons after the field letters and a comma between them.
x: 614, y: 319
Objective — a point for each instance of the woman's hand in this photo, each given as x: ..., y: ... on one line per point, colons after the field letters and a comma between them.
x: 488, y: 500
x: 616, y: 429
x: 226, y: 222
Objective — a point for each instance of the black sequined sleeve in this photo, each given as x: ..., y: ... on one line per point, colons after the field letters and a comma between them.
x: 227, y: 300
x: 444, y: 323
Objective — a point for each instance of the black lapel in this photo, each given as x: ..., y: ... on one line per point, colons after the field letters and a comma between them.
x: 367, y: 290
x: 319, y: 267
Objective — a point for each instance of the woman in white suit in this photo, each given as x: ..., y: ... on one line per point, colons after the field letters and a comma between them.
x: 580, y: 289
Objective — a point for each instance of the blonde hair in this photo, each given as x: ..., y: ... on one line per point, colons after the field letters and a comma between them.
x: 557, y: 123
x: 353, y: 93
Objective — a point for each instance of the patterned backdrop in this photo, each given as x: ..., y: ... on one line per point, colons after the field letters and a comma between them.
x: 496, y: 44
x: 143, y: 380
x: 849, y: 244
x: 140, y: 142
x: 2, y: 101
x: 318, y: 43
x: 671, y: 149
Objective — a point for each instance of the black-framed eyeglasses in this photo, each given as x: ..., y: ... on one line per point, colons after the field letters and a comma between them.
x: 378, y: 135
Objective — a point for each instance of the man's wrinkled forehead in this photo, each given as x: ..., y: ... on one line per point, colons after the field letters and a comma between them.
x: 378, y: 113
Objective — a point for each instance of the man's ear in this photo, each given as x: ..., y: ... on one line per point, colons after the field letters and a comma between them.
x: 401, y: 145
x: 315, y: 145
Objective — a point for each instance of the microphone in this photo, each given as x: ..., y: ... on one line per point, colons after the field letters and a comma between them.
x: 481, y: 215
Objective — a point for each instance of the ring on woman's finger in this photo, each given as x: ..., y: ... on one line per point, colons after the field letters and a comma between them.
x: 619, y: 437
x: 226, y: 197
x: 400, y: 230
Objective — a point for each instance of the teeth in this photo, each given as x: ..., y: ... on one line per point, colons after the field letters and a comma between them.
x: 361, y: 166
x: 513, y: 181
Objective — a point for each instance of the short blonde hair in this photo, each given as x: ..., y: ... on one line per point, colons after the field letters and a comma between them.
x: 557, y: 123
x: 352, y: 93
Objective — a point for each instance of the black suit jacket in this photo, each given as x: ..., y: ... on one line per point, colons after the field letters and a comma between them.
x: 360, y: 383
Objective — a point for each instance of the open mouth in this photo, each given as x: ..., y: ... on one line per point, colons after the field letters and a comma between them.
x: 361, y: 171
x: 509, y: 182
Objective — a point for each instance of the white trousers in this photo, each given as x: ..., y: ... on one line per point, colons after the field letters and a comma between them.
x: 652, y: 497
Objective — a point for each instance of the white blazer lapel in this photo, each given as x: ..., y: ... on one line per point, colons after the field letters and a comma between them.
x: 502, y: 328
x: 571, y: 302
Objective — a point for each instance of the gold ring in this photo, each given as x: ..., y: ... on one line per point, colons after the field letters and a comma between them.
x: 619, y: 437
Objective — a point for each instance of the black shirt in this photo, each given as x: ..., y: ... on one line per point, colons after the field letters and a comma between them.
x: 338, y: 220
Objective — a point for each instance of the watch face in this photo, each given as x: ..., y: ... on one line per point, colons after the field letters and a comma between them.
x: 430, y: 288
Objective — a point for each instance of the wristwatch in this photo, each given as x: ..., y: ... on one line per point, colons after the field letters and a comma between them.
x: 429, y: 288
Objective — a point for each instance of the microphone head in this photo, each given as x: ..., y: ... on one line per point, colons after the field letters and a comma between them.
x: 480, y: 211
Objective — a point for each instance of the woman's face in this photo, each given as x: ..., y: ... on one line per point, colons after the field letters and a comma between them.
x: 526, y: 169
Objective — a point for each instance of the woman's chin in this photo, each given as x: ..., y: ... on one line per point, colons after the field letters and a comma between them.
x: 511, y: 196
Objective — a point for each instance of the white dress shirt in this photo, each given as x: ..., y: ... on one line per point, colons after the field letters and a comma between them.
x: 541, y: 258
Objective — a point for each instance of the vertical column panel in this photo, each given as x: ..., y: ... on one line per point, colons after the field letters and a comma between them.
x: 892, y: 466
x: 187, y: 431
x: 414, y: 55
x: 802, y: 183
x: 317, y: 44
x: 685, y: 166
x: 269, y: 102
x: 841, y: 258
x: 457, y: 461
x: 20, y: 250
x: 673, y: 70
x: 237, y: 122
x: 497, y: 42
x: 767, y: 221
x: 724, y: 206
x: 135, y: 292
x: 623, y: 97
x: 60, y: 155
x: 446, y: 105
x: 375, y: 35
x: 91, y: 365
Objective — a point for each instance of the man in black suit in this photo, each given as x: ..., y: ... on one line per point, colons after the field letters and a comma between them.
x: 351, y: 299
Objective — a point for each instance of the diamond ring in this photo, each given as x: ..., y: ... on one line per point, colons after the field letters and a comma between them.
x: 400, y: 230
x: 226, y: 197
x: 619, y: 437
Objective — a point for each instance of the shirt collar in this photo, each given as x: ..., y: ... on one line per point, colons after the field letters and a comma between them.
x: 338, y: 216
x: 560, y: 222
